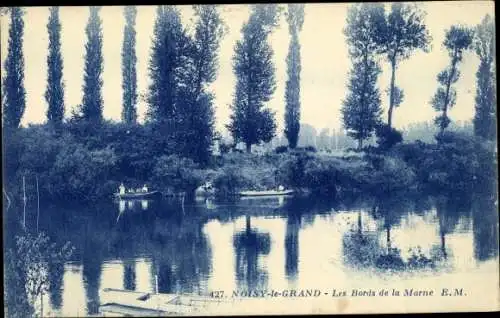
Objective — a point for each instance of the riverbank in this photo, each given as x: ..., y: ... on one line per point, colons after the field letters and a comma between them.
x: 67, y: 167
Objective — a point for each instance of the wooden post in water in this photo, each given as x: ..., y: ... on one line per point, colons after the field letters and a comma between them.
x: 156, y: 284
x: 157, y: 298
x: 41, y: 304
x: 7, y: 197
x: 38, y: 204
x: 182, y: 201
x: 24, y: 201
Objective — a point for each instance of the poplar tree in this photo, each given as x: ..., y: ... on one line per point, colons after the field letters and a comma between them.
x: 208, y: 33
x: 458, y: 40
x: 361, y: 108
x: 92, y: 103
x: 250, y: 121
x: 54, y: 93
x: 166, y: 68
x: 197, y: 104
x: 129, y: 73
x: 484, y: 45
x: 400, y: 34
x: 295, y: 19
x: 13, y: 91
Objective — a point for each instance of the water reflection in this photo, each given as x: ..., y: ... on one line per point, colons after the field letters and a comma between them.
x: 485, y: 228
x: 249, y: 245
x: 129, y: 274
x: 292, y: 246
x: 91, y: 282
x: 122, y: 206
x: 144, y: 204
x: 391, y: 208
x: 180, y: 255
x: 56, y: 272
x: 263, y: 243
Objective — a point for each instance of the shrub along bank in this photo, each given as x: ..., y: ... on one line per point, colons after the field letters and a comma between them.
x: 71, y: 167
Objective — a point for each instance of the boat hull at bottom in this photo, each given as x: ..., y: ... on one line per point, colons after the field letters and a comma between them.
x: 138, y: 196
x: 265, y: 193
x: 119, y: 302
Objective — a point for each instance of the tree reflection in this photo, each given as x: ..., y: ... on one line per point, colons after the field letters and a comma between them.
x: 56, y: 273
x: 360, y: 247
x: 129, y: 274
x: 91, y: 277
x: 391, y: 208
x: 485, y: 227
x: 450, y: 209
x: 248, y: 245
x: 292, y: 245
x: 165, y: 277
x: 182, y: 256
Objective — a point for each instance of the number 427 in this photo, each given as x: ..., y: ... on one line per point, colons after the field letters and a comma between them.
x: 217, y: 294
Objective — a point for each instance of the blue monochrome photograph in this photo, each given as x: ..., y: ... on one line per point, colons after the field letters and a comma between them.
x: 249, y: 159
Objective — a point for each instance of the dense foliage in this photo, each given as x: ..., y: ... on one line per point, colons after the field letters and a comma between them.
x: 13, y: 91
x: 253, y: 65
x: 398, y: 35
x: 361, y: 108
x: 92, y: 103
x: 485, y: 116
x: 295, y: 19
x: 28, y: 268
x: 172, y: 150
x: 54, y: 94
x: 181, y: 67
x: 129, y: 72
x: 458, y: 40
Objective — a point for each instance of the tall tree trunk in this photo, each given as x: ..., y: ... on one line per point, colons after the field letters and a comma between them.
x: 448, y: 86
x: 443, y: 245
x: 360, y: 144
x: 247, y: 224
x: 388, y: 232
x: 391, y: 92
x: 249, y: 147
x: 360, y: 223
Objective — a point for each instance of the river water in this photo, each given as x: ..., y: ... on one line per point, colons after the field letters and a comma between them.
x: 357, y: 243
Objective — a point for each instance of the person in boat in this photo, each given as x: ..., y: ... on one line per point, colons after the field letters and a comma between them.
x: 281, y: 188
x: 121, y: 188
x: 208, y: 186
x: 144, y: 188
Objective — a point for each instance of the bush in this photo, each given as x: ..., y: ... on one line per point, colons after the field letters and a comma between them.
x: 459, y: 162
x: 320, y: 176
x: 387, y: 136
x: 27, y: 269
x: 174, y: 174
x: 291, y: 170
x: 81, y: 174
x: 229, y: 181
x: 384, y: 174
x: 281, y: 149
x: 224, y: 148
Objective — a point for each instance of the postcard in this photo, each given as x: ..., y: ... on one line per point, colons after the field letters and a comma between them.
x: 249, y: 159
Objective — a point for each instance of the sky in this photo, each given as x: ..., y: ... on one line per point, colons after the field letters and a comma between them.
x: 325, y: 62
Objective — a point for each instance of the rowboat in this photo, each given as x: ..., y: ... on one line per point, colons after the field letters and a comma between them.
x: 137, y: 195
x: 119, y: 302
x: 265, y: 193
